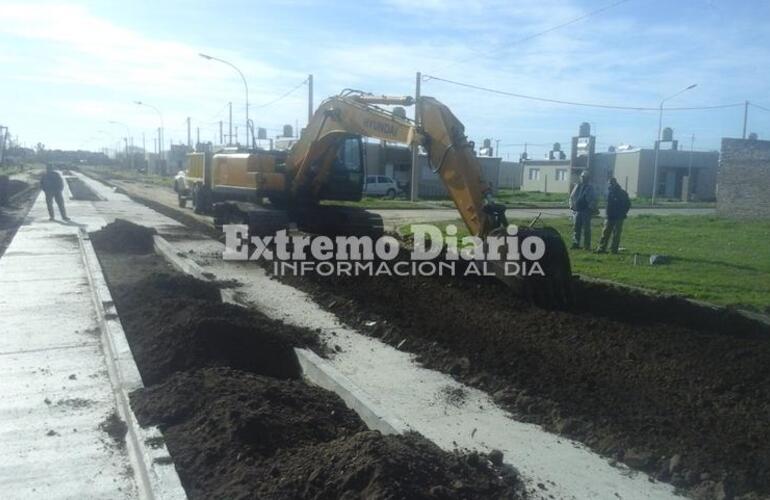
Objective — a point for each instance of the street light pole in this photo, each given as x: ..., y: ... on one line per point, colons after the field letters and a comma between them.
x: 657, y: 144
x: 129, y: 159
x: 160, y: 130
x: 246, y: 86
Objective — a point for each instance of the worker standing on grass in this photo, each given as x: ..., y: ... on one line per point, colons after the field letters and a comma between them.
x: 52, y: 185
x: 618, y: 205
x: 582, y: 202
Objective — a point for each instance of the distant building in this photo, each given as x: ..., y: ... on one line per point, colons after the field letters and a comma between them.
x: 395, y: 161
x: 546, y: 176
x: 678, y: 172
x: 549, y: 175
x: 744, y: 178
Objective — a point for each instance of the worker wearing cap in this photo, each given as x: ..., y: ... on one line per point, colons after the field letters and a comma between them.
x: 618, y: 205
x: 582, y: 202
x: 52, y: 185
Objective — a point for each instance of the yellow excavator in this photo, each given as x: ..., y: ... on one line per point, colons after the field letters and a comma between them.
x: 326, y: 163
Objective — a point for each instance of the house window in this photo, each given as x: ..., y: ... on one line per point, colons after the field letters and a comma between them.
x: 534, y: 174
x: 561, y: 174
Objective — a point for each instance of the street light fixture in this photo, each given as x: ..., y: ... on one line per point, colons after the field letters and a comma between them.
x: 161, y: 131
x: 246, y: 86
x: 129, y: 157
x: 657, y: 144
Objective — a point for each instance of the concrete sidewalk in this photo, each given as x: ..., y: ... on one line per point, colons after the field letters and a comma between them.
x: 56, y: 392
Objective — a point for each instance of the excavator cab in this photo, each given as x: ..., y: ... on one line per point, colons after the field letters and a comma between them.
x: 347, y: 173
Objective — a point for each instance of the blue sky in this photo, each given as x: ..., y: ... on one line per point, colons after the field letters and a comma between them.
x: 69, y: 68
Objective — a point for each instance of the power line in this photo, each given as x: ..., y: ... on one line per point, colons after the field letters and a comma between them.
x: 760, y: 107
x: 545, y: 31
x: 572, y: 103
x: 287, y: 94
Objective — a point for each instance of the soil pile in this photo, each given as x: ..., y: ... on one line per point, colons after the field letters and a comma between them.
x: 122, y: 236
x: 688, y: 405
x: 236, y: 435
x: 223, y: 385
x: 637, y: 307
x: 170, y: 335
x: 9, y: 188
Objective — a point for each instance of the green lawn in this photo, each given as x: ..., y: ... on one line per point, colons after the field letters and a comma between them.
x: 515, y: 198
x: 716, y: 260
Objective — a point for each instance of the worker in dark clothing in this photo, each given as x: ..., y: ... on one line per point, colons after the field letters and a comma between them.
x: 582, y: 202
x: 52, y: 185
x: 618, y: 205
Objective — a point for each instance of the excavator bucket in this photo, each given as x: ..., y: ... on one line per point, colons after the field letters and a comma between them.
x: 553, y: 288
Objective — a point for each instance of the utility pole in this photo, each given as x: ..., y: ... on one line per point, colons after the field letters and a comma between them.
x: 689, y: 170
x: 415, y: 190
x: 745, y: 117
x: 659, y: 140
x: 189, y: 140
x: 497, y: 148
x: 230, y: 135
x: 236, y: 135
x: 221, y: 141
x: 309, y: 98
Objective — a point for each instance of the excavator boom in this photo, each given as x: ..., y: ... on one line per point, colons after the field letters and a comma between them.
x: 450, y: 155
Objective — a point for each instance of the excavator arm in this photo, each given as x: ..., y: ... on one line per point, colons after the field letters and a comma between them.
x: 450, y: 155
x: 440, y: 133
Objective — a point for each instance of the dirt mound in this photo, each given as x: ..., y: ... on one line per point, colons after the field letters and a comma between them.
x: 122, y: 236
x: 637, y: 308
x: 240, y: 424
x: 370, y: 465
x: 175, y: 334
x: 638, y: 389
x: 10, y: 188
x: 238, y: 435
x: 168, y: 285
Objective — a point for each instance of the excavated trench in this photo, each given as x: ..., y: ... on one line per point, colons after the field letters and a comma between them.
x: 80, y: 190
x: 224, y: 386
x: 675, y: 389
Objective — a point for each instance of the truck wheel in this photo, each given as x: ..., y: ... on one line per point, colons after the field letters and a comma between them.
x: 391, y: 194
x: 203, y: 200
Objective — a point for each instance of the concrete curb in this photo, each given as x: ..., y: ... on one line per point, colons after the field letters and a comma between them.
x: 154, y: 470
x: 325, y: 375
x: 314, y: 368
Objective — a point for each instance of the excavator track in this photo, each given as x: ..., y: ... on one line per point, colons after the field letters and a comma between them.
x: 333, y: 221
